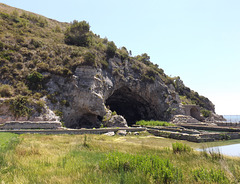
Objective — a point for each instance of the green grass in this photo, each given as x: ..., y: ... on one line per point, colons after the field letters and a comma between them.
x: 153, y: 123
x: 7, y: 141
x: 130, y: 159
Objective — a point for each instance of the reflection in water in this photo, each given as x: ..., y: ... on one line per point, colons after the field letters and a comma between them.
x: 230, y: 150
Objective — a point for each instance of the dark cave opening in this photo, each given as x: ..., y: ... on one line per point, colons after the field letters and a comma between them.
x: 194, y: 112
x: 130, y: 105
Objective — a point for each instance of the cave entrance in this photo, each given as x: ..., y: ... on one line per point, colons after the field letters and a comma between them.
x: 194, y: 112
x: 130, y: 105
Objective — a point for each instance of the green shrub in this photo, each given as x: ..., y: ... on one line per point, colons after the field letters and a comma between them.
x: 160, y: 170
x: 78, y: 34
x: 36, y: 43
x: 40, y: 105
x: 43, y: 67
x: 59, y: 113
x: 22, y: 89
x: 1, y: 46
x: 149, y: 75
x: 181, y: 148
x: 89, y: 59
x: 6, y: 90
x: 52, y: 98
x: 35, y: 80
x: 111, y: 49
x: 64, y: 103
x: 206, y: 113
x: 144, y: 58
x: 19, y: 106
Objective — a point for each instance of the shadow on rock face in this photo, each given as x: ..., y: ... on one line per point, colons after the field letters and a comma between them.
x: 130, y: 105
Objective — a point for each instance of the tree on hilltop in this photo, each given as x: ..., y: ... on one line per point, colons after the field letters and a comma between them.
x: 78, y: 34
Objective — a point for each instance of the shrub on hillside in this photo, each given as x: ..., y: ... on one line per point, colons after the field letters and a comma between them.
x: 206, y: 113
x: 6, y: 90
x: 78, y: 34
x: 19, y: 106
x: 35, y: 80
x: 89, y: 59
x: 111, y: 49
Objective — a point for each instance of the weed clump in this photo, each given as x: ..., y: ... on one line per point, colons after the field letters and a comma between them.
x: 6, y: 90
x: 181, y: 148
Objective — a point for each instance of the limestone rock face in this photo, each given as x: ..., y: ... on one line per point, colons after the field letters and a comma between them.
x: 7, y: 115
x: 91, y: 90
x: 215, y: 117
x: 184, y: 119
x: 116, y: 121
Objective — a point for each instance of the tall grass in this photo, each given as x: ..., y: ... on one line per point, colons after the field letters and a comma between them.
x: 110, y: 160
x: 181, y: 148
x: 211, y: 176
x: 160, y: 170
x: 8, y: 142
x: 153, y: 123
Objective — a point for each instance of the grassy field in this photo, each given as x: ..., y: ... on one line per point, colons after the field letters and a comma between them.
x: 33, y: 158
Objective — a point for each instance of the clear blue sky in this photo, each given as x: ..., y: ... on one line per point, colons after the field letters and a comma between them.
x: 198, y: 40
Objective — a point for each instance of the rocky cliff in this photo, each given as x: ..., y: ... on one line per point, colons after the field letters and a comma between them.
x: 43, y: 62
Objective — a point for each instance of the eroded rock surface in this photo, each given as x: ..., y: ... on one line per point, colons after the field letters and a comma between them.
x: 91, y: 90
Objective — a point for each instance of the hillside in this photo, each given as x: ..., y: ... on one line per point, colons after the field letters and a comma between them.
x: 66, y: 68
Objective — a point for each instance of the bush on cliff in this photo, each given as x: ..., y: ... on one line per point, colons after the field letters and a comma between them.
x: 78, y: 34
x: 6, y: 90
x: 35, y: 80
x: 111, y: 49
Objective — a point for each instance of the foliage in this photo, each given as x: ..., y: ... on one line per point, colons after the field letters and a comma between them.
x: 40, y: 105
x: 19, y: 106
x: 206, y: 113
x: 78, y: 34
x: 149, y: 75
x: 144, y: 58
x: 111, y: 49
x: 35, y: 80
x: 211, y: 176
x: 181, y: 148
x: 59, y: 113
x: 161, y: 170
x: 6, y: 90
x: 153, y: 123
x: 89, y: 59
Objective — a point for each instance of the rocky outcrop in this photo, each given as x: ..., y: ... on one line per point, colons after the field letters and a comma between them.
x: 91, y: 90
x: 184, y: 119
x: 6, y: 114
x: 116, y: 121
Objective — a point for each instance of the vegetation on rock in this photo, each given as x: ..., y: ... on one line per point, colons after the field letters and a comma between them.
x: 33, y: 49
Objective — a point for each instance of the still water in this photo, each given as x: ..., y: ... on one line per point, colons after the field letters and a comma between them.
x: 232, y: 118
x: 230, y: 150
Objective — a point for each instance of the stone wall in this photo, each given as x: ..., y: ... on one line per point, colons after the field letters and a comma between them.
x: 31, y: 125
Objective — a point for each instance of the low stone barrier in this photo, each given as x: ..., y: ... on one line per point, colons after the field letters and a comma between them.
x: 204, y: 137
x: 211, y: 128
x: 228, y: 124
x: 74, y: 131
x: 31, y: 125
